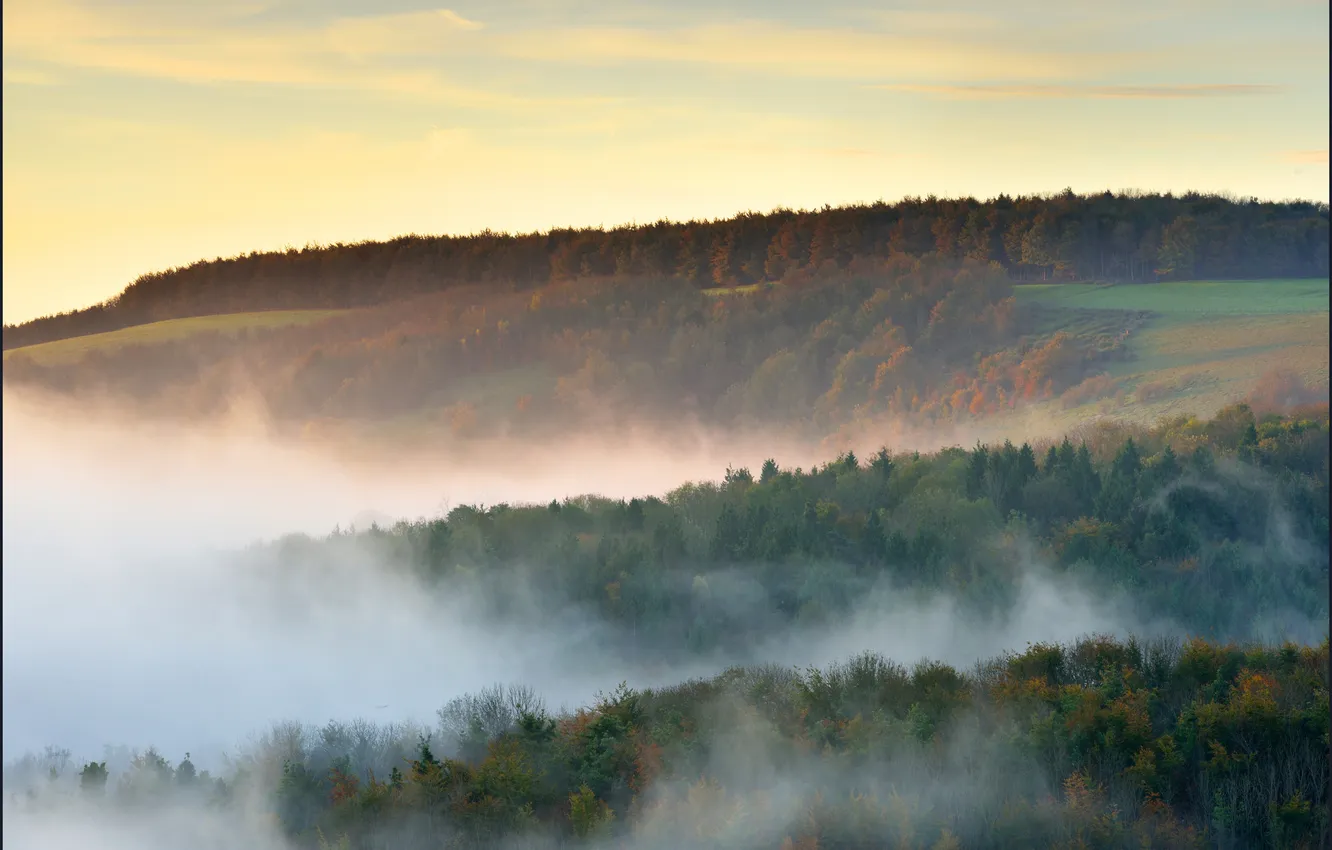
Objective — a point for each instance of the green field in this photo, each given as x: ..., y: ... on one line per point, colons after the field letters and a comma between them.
x: 1196, y: 346
x: 1186, y: 298
x: 747, y: 289
x: 75, y: 348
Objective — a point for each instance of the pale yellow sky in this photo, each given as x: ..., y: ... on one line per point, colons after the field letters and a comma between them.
x: 140, y: 135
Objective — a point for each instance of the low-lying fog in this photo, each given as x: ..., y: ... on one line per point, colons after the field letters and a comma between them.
x: 129, y: 617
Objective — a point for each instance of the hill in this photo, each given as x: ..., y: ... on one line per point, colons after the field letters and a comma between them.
x: 1129, y: 237
x: 924, y: 340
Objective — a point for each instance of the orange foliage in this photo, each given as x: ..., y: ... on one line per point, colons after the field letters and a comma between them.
x: 1018, y: 690
x: 1157, y: 826
x: 647, y: 765
x: 1087, y: 713
x: 1080, y: 792
x: 1255, y: 695
x: 977, y: 405
x: 574, y: 728
x: 1130, y: 712
x: 345, y: 786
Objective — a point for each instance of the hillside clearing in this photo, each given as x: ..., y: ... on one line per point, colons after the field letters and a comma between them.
x: 1184, y: 298
x: 1200, y: 345
x: 75, y: 348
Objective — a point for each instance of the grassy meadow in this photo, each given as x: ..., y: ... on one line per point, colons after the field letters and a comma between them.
x: 1183, y: 298
x: 1194, y: 346
x: 76, y: 348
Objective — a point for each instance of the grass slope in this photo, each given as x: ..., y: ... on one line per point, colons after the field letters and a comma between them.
x: 75, y: 348
x: 1199, y: 345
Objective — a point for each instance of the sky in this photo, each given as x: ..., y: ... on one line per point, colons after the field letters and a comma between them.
x: 141, y: 135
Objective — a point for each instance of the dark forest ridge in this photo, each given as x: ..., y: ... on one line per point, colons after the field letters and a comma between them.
x: 1069, y: 237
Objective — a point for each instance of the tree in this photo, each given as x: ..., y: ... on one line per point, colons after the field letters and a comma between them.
x: 1086, y: 482
x: 728, y: 542
x: 874, y: 543
x: 722, y: 260
x: 947, y: 231
x: 849, y: 462
x: 185, y: 773
x: 1179, y: 245
x: 1026, y: 464
x: 588, y: 815
x: 634, y: 515
x: 1051, y: 464
x: 977, y: 463
x: 823, y: 247
x: 92, y: 779
x: 783, y: 252
x: 882, y: 465
x: 1038, y: 243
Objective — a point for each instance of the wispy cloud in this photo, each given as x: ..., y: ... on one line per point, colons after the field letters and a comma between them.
x: 28, y: 77
x: 1313, y: 157
x: 933, y: 21
x: 404, y: 53
x: 1028, y: 92
x: 387, y: 54
x: 789, y: 51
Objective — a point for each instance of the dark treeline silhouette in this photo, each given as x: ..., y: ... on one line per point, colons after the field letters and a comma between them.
x: 1220, y: 525
x: 1120, y: 237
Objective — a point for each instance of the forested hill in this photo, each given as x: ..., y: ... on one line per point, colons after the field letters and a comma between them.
x: 1129, y: 237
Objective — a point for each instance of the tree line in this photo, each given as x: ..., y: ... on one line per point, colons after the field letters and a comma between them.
x: 1218, y: 526
x: 1098, y: 744
x: 1118, y: 237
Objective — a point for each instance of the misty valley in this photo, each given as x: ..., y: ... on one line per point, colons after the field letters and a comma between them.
x: 666, y: 425
x: 936, y: 524
x: 1114, y: 638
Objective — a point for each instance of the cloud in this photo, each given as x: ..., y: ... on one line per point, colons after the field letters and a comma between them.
x: 402, y: 53
x: 1312, y: 157
x: 931, y: 20
x: 799, y: 52
x: 388, y: 54
x: 1027, y: 92
x: 408, y: 33
x: 28, y: 77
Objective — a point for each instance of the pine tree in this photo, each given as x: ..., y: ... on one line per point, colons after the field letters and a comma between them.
x: 92, y: 779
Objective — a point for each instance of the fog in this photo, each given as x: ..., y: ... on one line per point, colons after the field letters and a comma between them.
x: 124, y: 620
x: 138, y: 611
x: 132, y: 617
x: 231, y: 481
x: 76, y: 824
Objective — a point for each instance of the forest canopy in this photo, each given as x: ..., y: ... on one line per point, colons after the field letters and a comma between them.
x: 1106, y: 237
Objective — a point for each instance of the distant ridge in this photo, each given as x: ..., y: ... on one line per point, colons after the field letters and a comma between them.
x: 1067, y: 237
